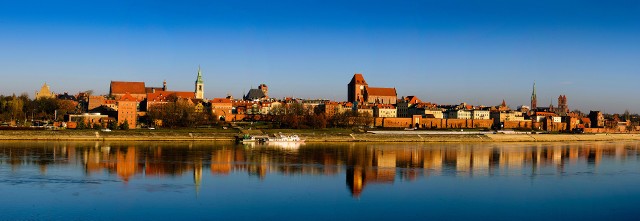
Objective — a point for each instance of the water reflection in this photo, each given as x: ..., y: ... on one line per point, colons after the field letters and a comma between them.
x: 361, y: 164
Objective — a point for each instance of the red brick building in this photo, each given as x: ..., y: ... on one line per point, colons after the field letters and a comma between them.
x: 128, y: 110
x: 359, y: 91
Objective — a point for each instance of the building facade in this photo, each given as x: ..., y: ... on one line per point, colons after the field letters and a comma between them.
x: 128, y: 110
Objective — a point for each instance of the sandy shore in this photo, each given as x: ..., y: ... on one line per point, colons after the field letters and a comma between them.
x: 310, y: 137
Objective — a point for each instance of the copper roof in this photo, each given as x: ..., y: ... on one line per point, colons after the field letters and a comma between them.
x: 381, y: 91
x: 121, y: 87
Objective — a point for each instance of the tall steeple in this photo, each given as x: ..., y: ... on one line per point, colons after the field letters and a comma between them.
x: 534, y: 98
x: 199, y: 85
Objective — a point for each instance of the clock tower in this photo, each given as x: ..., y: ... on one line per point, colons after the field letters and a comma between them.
x: 199, y: 85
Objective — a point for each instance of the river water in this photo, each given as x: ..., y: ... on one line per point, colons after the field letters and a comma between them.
x: 224, y: 181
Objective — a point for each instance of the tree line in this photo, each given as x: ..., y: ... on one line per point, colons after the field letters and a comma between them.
x: 296, y: 116
x: 23, y: 110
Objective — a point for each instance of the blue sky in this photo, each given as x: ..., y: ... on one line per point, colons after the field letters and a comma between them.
x: 478, y: 52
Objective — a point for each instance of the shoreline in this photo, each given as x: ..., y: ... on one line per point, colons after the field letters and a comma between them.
x: 309, y: 137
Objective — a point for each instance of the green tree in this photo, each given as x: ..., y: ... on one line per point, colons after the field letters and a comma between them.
x: 81, y: 125
x: 112, y: 125
x: 124, y: 125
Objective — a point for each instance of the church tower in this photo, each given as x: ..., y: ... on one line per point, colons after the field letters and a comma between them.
x: 199, y: 85
x: 356, y: 89
x: 534, y: 98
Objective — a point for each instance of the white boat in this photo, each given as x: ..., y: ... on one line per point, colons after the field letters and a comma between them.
x: 279, y: 138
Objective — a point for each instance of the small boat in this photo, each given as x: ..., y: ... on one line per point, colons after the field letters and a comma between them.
x: 279, y: 138
x: 246, y: 138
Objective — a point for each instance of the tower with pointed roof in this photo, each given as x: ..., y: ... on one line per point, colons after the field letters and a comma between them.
x: 44, y: 92
x: 199, y: 85
x: 534, y: 98
x: 356, y: 88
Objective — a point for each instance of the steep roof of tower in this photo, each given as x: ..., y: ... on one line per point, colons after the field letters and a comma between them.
x: 358, y: 79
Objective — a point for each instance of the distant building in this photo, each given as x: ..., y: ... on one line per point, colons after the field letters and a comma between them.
x: 255, y: 95
x: 385, y: 110
x: 459, y: 114
x: 199, y: 90
x: 480, y: 114
x: 221, y: 107
x: 136, y: 90
x: 597, y: 119
x: 163, y: 97
x: 359, y: 91
x: 562, y: 104
x: 44, y: 92
x: 379, y: 95
x: 264, y: 89
x: 128, y: 110
x: 355, y: 89
x: 534, y: 98
x: 96, y: 101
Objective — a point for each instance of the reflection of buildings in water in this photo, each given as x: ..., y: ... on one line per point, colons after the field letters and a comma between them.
x: 432, y: 160
x: 511, y: 159
x: 221, y: 162
x: 197, y: 175
x: 126, y: 163
x: 480, y: 161
x: 380, y: 168
x: 463, y: 160
x: 365, y: 164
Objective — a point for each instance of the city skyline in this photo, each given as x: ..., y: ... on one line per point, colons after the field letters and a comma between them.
x: 447, y: 53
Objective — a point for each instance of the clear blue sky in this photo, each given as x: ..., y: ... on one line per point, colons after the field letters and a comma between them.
x: 478, y: 52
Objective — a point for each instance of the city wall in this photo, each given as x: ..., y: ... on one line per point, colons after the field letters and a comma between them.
x: 431, y: 123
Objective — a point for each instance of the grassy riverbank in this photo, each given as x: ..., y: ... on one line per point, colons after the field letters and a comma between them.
x: 326, y: 135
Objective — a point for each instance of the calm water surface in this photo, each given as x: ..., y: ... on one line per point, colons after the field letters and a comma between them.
x: 221, y: 181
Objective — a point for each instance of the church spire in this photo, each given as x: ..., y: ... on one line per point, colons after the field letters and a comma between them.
x: 534, y: 98
x: 199, y: 80
x: 199, y: 85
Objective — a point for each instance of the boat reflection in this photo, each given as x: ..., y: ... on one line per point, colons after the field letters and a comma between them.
x: 361, y: 164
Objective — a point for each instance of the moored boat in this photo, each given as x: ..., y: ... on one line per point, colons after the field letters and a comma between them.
x: 279, y: 138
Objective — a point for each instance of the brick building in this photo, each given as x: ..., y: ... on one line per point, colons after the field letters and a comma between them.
x: 128, y: 110
x: 359, y: 91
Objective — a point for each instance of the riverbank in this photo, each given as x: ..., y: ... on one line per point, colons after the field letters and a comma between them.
x: 309, y: 135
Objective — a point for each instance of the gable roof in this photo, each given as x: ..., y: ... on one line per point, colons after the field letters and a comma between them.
x: 358, y: 79
x: 412, y: 99
x: 221, y: 100
x: 381, y: 91
x: 255, y: 94
x: 127, y: 97
x: 122, y: 87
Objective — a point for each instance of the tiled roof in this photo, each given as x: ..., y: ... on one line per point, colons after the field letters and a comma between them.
x: 121, y: 87
x: 412, y: 99
x: 358, y: 79
x: 152, y: 89
x: 381, y: 91
x: 162, y: 95
x: 221, y: 100
x: 128, y: 97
